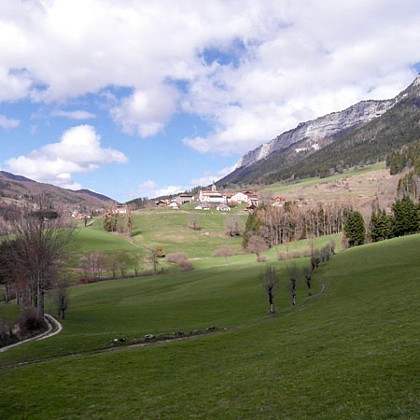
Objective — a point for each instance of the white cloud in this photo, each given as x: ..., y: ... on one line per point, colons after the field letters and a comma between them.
x: 146, y: 112
x: 78, y: 151
x: 331, y: 57
x: 8, y: 123
x: 250, y: 69
x: 75, y: 115
x: 151, y: 189
x: 208, y: 177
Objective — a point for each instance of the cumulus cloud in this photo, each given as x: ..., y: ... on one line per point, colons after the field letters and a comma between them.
x: 250, y: 69
x: 78, y: 151
x: 331, y: 57
x: 8, y: 123
x: 146, y: 112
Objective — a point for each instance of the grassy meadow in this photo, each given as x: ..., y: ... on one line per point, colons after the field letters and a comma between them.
x: 358, y: 187
x: 350, y: 352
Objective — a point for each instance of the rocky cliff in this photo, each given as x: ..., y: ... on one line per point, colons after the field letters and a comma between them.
x: 315, y: 134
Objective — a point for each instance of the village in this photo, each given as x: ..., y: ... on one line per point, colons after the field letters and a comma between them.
x: 212, y: 198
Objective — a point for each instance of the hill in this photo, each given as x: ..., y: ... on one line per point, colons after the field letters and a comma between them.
x: 361, y: 134
x: 16, y: 189
x: 349, y: 352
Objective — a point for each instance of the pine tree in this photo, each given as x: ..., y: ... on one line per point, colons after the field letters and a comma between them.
x: 354, y: 228
x: 381, y: 226
x: 252, y: 227
x: 406, y: 217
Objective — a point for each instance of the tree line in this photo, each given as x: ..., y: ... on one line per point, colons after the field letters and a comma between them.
x: 407, y: 158
x: 404, y: 220
x: 277, y: 225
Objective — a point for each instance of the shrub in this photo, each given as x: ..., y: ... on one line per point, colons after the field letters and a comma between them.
x: 179, y: 258
x: 30, y: 321
x: 224, y: 251
x: 281, y: 255
x: 7, y: 336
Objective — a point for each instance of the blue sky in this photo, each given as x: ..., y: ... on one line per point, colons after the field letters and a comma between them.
x: 139, y: 98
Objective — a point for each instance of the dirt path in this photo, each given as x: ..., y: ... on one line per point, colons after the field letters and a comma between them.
x: 58, y: 327
x: 54, y: 327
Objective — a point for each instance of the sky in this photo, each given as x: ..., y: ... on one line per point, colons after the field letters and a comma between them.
x: 140, y: 98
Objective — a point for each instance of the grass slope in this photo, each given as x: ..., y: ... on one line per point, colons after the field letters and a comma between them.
x: 352, y: 353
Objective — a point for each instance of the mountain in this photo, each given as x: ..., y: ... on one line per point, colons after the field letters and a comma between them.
x: 7, y: 175
x: 362, y: 133
x: 16, y: 189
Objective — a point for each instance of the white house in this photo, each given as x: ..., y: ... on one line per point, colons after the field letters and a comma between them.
x: 211, y: 196
x: 239, y: 197
x: 173, y: 205
x: 120, y: 209
x: 248, y: 197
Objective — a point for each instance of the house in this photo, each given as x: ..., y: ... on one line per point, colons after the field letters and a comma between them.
x: 211, y: 196
x: 250, y: 207
x: 239, y: 197
x: 184, y: 199
x: 120, y: 209
x: 173, y: 205
x: 162, y: 203
x: 248, y: 197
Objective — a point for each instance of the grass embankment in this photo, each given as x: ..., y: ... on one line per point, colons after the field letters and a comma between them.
x: 353, y: 353
x: 171, y: 230
x: 358, y: 187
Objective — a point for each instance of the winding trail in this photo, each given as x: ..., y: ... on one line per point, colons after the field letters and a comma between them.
x: 55, y: 327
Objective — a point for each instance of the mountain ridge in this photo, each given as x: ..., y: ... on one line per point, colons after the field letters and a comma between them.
x: 19, y: 189
x: 315, y: 136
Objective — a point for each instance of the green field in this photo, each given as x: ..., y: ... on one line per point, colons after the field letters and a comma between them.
x: 349, y: 352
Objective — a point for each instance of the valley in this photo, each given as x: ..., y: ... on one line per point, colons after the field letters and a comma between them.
x: 348, y: 349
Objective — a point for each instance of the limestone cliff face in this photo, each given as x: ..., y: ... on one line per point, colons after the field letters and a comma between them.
x: 323, y: 130
x: 315, y: 134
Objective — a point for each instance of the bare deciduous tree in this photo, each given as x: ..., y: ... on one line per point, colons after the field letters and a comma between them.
x: 307, y: 272
x: 234, y: 226
x: 93, y: 264
x: 40, y: 238
x: 194, y: 221
x: 270, y: 283
x: 293, y: 275
x: 256, y: 245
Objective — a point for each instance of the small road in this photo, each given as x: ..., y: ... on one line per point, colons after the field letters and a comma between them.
x: 54, y: 327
